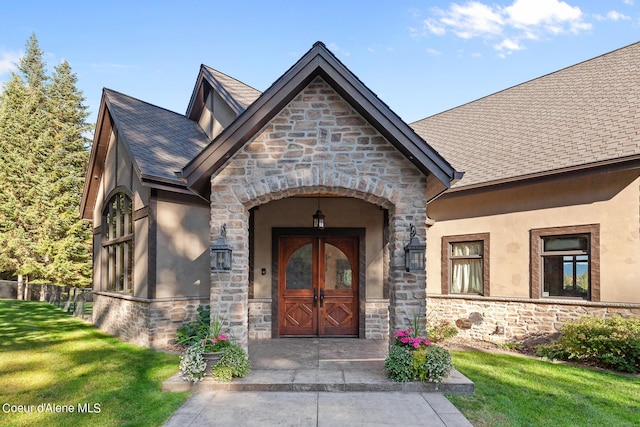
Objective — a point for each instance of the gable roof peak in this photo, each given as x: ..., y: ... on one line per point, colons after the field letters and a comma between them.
x: 317, y: 62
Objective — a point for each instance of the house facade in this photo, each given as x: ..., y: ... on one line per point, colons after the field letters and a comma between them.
x: 515, y: 244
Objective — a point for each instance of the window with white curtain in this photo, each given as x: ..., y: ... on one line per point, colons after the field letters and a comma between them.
x: 465, y: 264
x: 467, y: 273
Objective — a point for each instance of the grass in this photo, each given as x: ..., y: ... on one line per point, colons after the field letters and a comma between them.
x: 514, y: 390
x: 49, y: 357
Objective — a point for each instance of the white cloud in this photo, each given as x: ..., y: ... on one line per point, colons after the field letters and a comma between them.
x: 508, y: 45
x: 472, y: 19
x: 540, y: 13
x: 512, y: 25
x: 433, y: 52
x: 613, y: 15
x: 628, y: 2
x: 337, y: 50
x: 8, y: 61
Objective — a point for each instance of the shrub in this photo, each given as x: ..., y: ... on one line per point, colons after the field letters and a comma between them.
x: 399, y: 364
x: 441, y: 330
x: 438, y: 361
x: 612, y: 343
x: 414, y: 358
x: 194, y: 332
x: 234, y: 363
x: 192, y: 364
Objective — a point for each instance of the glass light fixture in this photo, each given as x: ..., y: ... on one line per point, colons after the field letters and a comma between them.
x: 318, y: 218
x: 221, y: 252
x: 414, y: 252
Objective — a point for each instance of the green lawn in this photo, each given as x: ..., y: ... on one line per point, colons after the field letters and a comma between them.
x: 513, y: 390
x: 49, y: 358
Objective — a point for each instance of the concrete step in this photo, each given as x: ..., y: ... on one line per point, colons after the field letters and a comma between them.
x: 322, y: 380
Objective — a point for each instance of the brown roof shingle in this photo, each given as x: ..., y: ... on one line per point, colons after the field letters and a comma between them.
x: 162, y: 142
x: 241, y: 93
x: 583, y: 114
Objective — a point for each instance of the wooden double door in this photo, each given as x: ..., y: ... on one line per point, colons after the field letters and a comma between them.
x: 318, y: 285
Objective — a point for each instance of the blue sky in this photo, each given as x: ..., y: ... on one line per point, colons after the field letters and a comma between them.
x: 420, y: 57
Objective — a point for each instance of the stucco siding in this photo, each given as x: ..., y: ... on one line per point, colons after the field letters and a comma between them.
x: 610, y: 200
x: 182, y: 260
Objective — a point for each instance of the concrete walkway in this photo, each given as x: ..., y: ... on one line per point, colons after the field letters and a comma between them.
x: 318, y: 382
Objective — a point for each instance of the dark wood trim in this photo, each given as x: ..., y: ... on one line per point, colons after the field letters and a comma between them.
x: 252, y: 225
x: 141, y: 213
x: 386, y: 254
x: 152, y: 248
x: 594, y: 257
x: 276, y: 233
x: 445, y: 275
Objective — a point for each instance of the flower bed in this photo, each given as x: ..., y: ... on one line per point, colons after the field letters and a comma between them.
x: 415, y: 358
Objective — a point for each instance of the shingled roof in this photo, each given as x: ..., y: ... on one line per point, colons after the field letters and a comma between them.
x: 578, y: 117
x: 162, y: 142
x: 242, y: 94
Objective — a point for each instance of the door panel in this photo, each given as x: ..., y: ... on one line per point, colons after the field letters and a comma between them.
x: 339, y: 304
x: 318, y: 286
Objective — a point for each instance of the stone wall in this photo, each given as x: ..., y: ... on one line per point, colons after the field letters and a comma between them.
x: 377, y: 319
x: 317, y: 144
x: 501, y: 319
x: 260, y: 318
x: 143, y: 322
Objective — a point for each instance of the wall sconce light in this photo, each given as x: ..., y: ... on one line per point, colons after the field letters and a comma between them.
x: 318, y: 218
x: 221, y: 252
x: 414, y: 252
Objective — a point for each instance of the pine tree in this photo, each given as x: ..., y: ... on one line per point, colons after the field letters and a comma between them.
x: 42, y: 161
x: 69, y: 238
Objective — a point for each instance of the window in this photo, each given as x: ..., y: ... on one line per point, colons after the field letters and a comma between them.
x: 465, y: 262
x: 565, y: 262
x: 117, y: 243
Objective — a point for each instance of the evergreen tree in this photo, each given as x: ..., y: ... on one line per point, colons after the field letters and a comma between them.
x: 42, y: 162
x: 69, y: 238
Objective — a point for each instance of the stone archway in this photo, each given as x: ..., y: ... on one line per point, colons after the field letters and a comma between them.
x: 229, y: 291
x: 318, y: 144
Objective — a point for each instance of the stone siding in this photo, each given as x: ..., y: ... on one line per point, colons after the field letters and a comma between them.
x: 260, y: 318
x: 143, y: 322
x: 377, y: 319
x: 317, y: 144
x: 501, y: 319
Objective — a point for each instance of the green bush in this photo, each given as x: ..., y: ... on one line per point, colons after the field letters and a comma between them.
x: 194, y: 332
x: 441, y: 330
x: 399, y: 364
x: 426, y: 363
x: 233, y: 363
x: 612, y: 343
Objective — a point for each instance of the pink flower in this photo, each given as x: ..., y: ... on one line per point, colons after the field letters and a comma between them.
x: 416, y: 343
x: 405, y: 340
x: 223, y: 337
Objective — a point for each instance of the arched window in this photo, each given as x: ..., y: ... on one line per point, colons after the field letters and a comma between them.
x: 117, y: 244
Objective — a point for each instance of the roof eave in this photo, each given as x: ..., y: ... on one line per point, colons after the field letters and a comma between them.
x: 96, y: 161
x: 603, y: 166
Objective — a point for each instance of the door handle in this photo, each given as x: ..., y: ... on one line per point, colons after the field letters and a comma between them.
x: 315, y: 297
x: 321, y: 297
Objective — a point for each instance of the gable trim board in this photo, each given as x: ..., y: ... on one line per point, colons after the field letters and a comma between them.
x: 174, y: 165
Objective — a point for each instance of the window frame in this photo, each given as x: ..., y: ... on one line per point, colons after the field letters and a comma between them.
x: 117, y: 243
x: 446, y: 265
x: 537, y: 237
